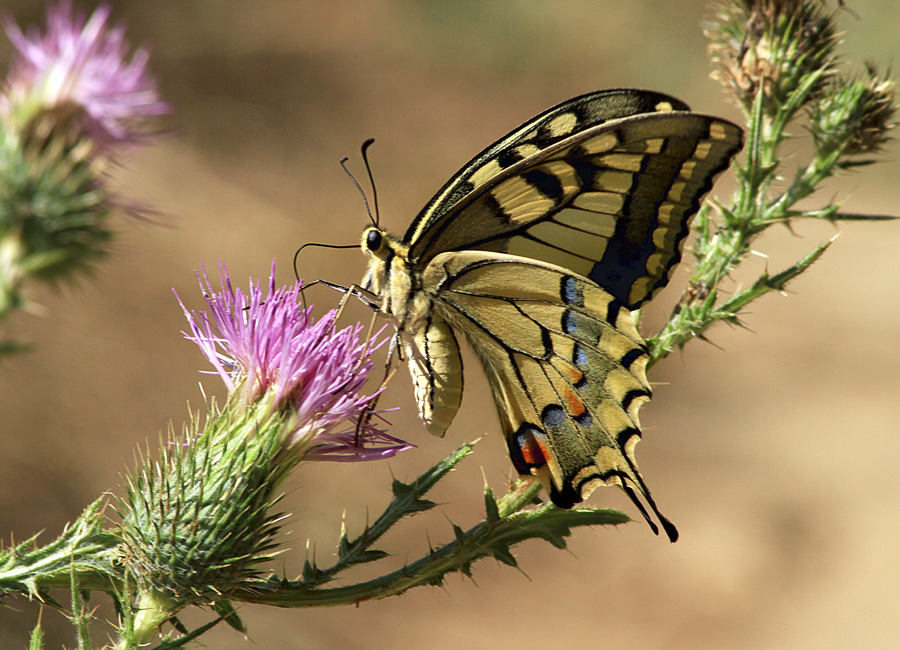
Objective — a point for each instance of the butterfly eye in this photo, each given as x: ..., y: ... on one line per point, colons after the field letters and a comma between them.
x: 373, y: 240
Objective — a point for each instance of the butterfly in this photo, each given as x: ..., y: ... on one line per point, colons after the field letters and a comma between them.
x: 536, y: 252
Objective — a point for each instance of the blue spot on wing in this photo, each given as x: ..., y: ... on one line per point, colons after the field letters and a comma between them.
x: 585, y: 420
x: 580, y: 357
x: 553, y: 416
x: 570, y: 291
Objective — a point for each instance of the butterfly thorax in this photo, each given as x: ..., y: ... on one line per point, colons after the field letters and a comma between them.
x: 426, y: 340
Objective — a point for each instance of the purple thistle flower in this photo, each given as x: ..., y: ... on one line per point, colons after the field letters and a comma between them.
x: 81, y: 62
x: 271, y: 348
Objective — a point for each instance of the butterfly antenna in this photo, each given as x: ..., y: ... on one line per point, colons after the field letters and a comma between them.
x: 314, y: 282
x: 359, y: 188
x: 364, y: 150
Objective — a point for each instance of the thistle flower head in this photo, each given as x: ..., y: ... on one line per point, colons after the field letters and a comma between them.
x: 71, y: 95
x: 197, y: 524
x: 268, y: 348
x: 78, y: 69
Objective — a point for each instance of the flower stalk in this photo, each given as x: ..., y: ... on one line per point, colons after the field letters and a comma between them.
x: 508, y: 522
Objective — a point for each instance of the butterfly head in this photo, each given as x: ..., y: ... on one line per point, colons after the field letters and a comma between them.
x: 388, y: 269
x: 381, y: 246
x: 373, y: 241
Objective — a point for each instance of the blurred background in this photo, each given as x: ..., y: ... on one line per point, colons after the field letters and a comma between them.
x: 774, y: 449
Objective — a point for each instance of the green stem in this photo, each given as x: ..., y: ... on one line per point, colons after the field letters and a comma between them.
x: 804, y: 183
x: 719, y: 254
x: 520, y: 495
x: 11, y: 273
x: 83, y: 549
x: 153, y: 610
x: 484, y: 539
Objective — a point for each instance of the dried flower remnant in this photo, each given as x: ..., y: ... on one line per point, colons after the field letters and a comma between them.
x: 777, y: 46
x: 855, y: 117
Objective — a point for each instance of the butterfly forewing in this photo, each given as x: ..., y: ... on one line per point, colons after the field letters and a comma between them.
x: 612, y: 203
x: 550, y: 127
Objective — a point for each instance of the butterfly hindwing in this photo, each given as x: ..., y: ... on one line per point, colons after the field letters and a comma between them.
x: 565, y: 364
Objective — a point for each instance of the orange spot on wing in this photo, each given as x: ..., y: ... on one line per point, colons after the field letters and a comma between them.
x: 574, y: 375
x: 576, y: 406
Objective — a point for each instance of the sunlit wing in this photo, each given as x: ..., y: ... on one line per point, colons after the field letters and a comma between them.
x: 544, y: 130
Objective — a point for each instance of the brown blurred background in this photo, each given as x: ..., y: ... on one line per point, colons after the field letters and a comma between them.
x: 774, y: 450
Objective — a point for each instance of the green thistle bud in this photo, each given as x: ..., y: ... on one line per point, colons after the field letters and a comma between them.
x: 54, y: 211
x: 198, y: 523
x: 854, y: 117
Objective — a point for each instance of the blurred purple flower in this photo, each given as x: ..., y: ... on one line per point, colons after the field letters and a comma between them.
x: 271, y: 347
x: 81, y: 62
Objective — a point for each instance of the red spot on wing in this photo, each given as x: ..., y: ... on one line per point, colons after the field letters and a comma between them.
x: 527, y: 449
x: 533, y: 452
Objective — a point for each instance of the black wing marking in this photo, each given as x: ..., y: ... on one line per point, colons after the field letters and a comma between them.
x: 548, y: 128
